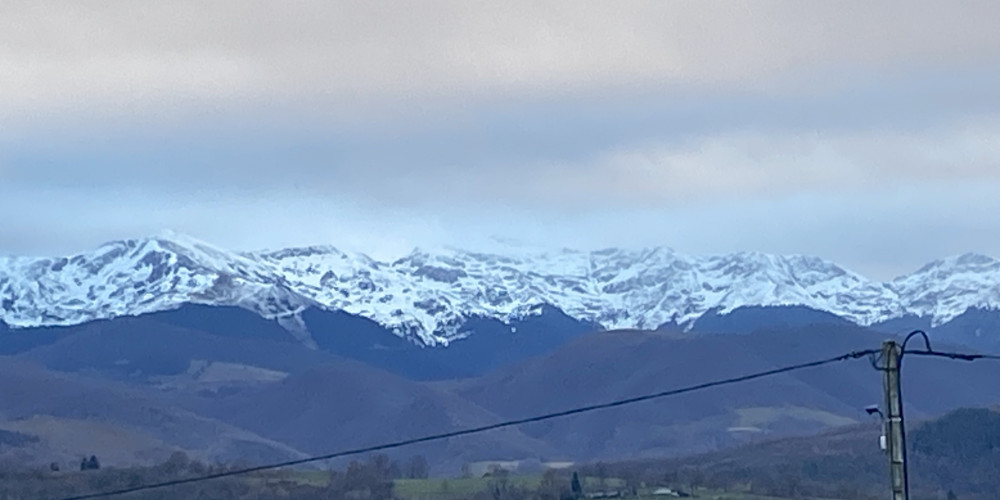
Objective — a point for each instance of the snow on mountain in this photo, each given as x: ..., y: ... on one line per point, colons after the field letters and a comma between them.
x: 945, y: 288
x: 428, y: 295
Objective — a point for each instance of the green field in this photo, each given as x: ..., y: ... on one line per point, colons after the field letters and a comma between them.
x: 448, y: 489
x: 443, y: 489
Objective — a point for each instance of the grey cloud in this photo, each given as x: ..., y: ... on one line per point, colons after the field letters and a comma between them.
x: 107, y: 58
x: 779, y: 126
x: 651, y: 148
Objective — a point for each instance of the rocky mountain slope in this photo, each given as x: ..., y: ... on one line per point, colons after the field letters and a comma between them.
x: 429, y: 297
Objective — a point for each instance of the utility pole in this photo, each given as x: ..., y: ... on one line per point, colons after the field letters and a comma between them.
x: 894, y: 430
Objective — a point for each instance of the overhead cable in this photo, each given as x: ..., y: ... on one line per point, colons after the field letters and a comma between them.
x: 477, y: 430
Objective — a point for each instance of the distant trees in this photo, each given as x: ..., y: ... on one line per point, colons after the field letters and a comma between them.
x: 417, y: 468
x: 371, y: 480
x: 601, y: 471
x: 692, y: 477
x: 19, y: 482
x: 90, y: 464
x: 500, y: 487
x: 551, y: 487
x: 559, y: 485
x: 965, y: 434
x: 631, y: 480
x: 575, y: 487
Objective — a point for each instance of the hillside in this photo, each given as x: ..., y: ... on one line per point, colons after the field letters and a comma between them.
x: 613, y: 365
x: 164, y: 343
x: 64, y: 417
x: 348, y: 405
x: 169, y: 386
x: 957, y: 452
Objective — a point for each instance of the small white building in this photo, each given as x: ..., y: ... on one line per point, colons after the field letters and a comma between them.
x: 668, y: 492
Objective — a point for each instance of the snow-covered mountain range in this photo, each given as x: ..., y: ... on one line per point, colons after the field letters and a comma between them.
x: 428, y: 296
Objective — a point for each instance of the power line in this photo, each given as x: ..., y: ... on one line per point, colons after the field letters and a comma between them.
x: 876, y: 358
x: 929, y: 351
x: 954, y: 355
x: 485, y: 428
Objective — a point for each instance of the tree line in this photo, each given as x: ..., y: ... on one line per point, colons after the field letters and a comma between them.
x: 956, y: 457
x: 371, y: 479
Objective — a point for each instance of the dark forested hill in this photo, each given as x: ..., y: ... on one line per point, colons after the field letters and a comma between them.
x: 612, y: 365
x: 295, y: 399
x: 959, y: 452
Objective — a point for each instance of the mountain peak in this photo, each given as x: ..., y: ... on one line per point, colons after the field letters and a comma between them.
x: 181, y: 239
x: 429, y: 294
x: 971, y: 259
x: 313, y: 250
x: 968, y: 260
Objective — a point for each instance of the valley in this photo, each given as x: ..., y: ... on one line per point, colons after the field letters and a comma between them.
x: 258, y: 372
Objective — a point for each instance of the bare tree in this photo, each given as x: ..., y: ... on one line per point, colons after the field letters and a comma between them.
x: 417, y: 468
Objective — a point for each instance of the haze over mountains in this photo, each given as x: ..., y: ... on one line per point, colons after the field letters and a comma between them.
x: 170, y: 344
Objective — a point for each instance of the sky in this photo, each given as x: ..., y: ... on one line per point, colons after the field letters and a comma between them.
x: 867, y: 133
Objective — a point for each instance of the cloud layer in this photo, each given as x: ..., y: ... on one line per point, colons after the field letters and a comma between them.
x: 142, y: 56
x: 380, y: 125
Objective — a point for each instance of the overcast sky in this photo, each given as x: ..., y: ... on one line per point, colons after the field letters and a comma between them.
x: 864, y: 132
